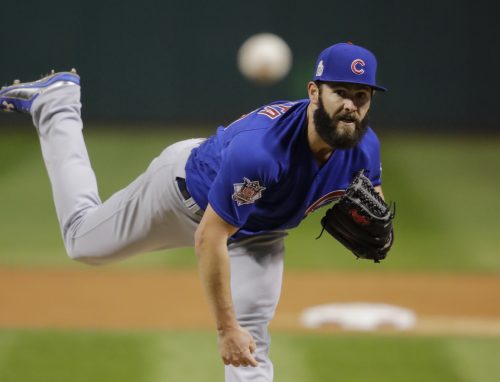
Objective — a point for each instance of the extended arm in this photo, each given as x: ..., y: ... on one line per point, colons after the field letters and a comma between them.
x: 236, y: 345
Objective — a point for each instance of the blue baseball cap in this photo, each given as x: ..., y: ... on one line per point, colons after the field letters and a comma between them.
x: 346, y: 62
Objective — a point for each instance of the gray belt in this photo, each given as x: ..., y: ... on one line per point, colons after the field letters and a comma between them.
x: 187, y: 198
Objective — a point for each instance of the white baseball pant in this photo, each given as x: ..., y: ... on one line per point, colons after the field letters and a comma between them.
x: 148, y: 215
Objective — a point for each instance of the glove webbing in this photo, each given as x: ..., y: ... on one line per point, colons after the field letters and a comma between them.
x: 362, y: 193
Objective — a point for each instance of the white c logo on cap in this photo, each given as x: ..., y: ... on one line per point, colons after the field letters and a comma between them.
x: 357, y: 66
x: 319, y: 71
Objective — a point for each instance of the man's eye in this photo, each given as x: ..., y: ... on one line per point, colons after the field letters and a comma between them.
x: 361, y: 96
x: 340, y: 92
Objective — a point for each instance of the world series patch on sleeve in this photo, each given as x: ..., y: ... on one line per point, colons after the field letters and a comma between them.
x: 361, y: 221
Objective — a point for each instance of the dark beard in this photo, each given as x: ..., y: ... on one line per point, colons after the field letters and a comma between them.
x: 327, y: 129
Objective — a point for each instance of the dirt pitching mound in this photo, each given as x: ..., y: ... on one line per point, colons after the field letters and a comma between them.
x: 158, y: 299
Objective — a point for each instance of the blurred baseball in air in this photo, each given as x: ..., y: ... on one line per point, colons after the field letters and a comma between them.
x: 264, y: 58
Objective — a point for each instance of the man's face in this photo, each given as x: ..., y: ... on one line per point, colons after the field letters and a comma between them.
x: 340, y: 119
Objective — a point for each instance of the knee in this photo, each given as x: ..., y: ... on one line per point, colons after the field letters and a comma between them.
x: 254, y: 311
x: 258, y: 306
x: 90, y: 254
x: 82, y: 255
x: 83, y: 258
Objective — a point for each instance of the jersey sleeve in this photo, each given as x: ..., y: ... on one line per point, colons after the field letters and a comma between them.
x: 246, y: 173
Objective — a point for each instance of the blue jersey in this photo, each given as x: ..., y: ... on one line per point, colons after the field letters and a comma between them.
x: 259, y: 173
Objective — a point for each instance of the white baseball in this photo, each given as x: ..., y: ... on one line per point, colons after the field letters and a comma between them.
x: 264, y: 58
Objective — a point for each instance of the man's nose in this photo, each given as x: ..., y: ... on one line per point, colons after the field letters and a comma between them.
x: 349, y: 105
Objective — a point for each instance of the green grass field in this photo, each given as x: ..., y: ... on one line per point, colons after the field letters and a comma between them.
x: 445, y: 188
x: 61, y: 356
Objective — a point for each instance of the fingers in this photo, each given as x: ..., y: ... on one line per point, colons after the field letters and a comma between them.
x: 252, y: 346
x: 252, y: 361
x: 247, y: 361
x: 243, y: 360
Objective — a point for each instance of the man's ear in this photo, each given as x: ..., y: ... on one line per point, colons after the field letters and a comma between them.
x: 313, y: 91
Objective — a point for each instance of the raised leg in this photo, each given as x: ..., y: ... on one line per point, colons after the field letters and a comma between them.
x: 147, y: 215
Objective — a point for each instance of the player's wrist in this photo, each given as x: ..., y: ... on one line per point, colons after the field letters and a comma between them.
x: 226, y: 327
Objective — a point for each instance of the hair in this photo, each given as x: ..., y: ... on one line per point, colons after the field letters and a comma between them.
x: 318, y: 84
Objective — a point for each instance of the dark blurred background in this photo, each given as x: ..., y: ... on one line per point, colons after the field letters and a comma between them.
x: 175, y: 61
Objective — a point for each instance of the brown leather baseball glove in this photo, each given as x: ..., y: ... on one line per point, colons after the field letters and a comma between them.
x: 361, y: 220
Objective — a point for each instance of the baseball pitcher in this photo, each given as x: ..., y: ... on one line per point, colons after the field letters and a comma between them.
x: 232, y: 196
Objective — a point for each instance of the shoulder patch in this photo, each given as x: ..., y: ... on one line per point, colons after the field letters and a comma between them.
x: 247, y: 192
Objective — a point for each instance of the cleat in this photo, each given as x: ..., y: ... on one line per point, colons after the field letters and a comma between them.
x: 19, y: 97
